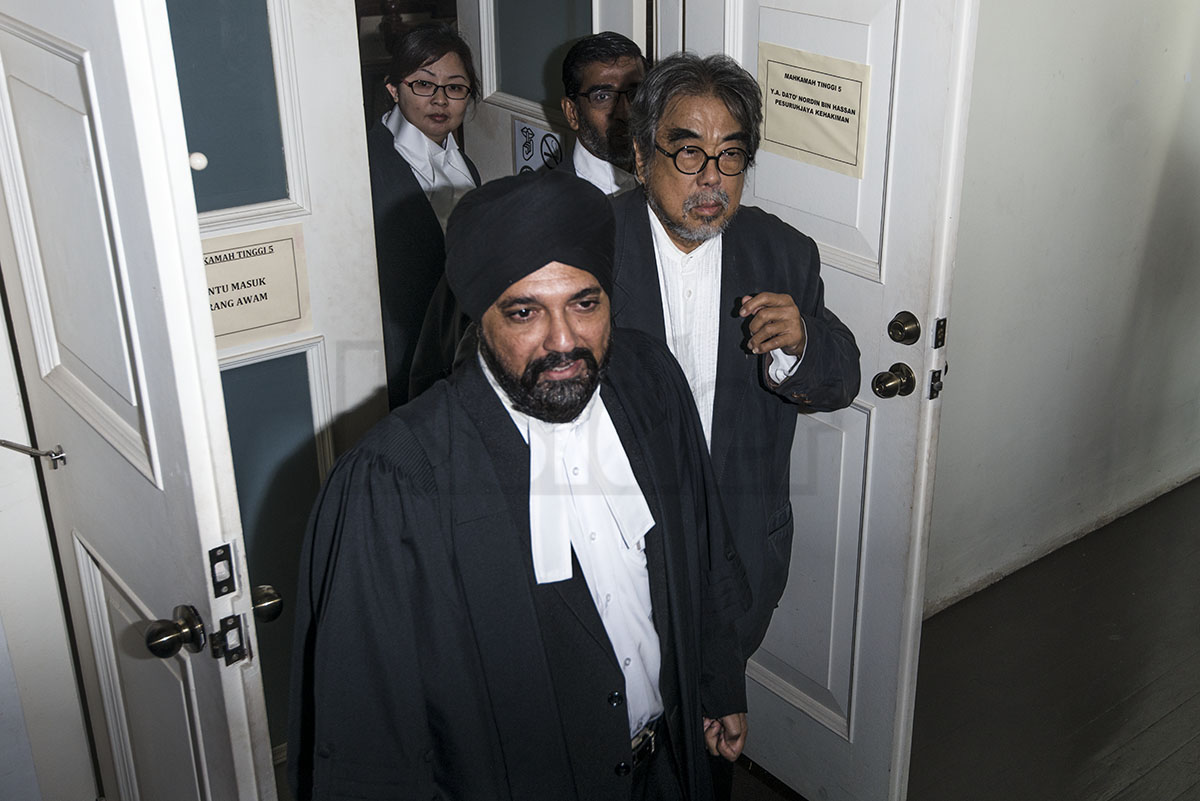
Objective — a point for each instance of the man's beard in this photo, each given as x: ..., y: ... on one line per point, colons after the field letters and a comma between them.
x: 616, y: 147
x: 558, y: 401
x: 708, y: 227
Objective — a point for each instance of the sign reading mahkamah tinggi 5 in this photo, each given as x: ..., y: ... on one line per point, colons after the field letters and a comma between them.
x: 257, y: 285
x: 814, y: 108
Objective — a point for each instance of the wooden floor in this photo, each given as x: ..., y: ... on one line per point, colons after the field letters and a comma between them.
x: 1075, y: 679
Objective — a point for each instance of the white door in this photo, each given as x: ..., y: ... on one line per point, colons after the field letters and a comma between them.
x: 99, y: 248
x: 832, y: 688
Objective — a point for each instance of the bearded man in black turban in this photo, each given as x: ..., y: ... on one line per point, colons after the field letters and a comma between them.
x: 519, y: 586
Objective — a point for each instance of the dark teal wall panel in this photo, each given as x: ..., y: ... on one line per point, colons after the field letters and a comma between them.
x: 532, y: 36
x: 230, y: 108
x: 277, y: 474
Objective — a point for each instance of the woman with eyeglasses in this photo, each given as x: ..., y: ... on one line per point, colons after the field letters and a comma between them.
x: 418, y: 175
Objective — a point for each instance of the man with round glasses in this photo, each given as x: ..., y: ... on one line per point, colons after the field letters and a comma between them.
x: 736, y: 295
x: 601, y: 74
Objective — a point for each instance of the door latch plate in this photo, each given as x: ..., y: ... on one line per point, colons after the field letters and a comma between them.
x: 935, y: 384
x: 220, y: 568
x: 229, y: 643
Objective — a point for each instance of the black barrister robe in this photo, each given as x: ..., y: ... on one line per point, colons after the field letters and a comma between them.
x: 429, y: 664
x: 753, y: 423
x: 410, y: 249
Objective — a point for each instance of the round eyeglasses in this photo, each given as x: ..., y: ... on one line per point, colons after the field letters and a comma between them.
x: 692, y: 160
x: 604, y: 98
x: 453, y: 91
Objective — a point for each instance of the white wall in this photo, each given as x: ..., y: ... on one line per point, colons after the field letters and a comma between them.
x: 1074, y: 386
x: 17, y: 774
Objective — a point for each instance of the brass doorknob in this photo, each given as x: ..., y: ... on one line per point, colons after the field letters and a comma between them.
x: 898, y: 380
x: 268, y: 603
x: 904, y: 328
x: 164, y: 638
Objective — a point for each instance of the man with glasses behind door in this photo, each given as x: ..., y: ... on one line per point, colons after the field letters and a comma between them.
x: 736, y: 294
x: 601, y: 74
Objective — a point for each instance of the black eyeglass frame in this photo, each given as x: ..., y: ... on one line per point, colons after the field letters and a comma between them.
x: 629, y: 93
x: 707, y: 158
x: 445, y: 87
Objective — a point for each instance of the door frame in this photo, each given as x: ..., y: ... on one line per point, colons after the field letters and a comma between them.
x: 962, y: 57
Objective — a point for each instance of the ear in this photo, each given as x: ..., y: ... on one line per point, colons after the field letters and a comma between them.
x: 571, y: 112
x: 394, y: 91
x: 638, y: 169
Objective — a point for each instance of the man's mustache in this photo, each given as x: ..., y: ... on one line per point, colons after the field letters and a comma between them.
x: 533, y: 371
x: 706, y: 197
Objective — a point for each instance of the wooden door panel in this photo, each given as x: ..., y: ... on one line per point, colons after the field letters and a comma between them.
x: 69, y: 260
x: 807, y: 657
x: 844, y: 214
x: 140, y: 692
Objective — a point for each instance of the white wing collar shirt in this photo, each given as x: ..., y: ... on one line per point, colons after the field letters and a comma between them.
x: 583, y: 495
x: 605, y: 176
x: 690, y: 284
x: 441, y: 171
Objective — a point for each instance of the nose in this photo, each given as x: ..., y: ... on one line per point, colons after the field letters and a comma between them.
x: 560, y: 334
x: 620, y: 109
x: 440, y: 97
x: 710, y: 175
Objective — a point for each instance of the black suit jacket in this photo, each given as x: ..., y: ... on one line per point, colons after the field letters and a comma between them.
x: 753, y: 422
x: 429, y: 663
x: 410, y: 251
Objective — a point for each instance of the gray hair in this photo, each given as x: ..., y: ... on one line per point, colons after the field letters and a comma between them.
x: 687, y: 74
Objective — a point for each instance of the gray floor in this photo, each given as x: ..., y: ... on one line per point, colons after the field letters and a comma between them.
x: 1075, y: 679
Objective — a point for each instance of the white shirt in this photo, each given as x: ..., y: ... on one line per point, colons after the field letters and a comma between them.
x: 605, y: 176
x: 441, y: 171
x: 583, y: 496
x: 690, y: 284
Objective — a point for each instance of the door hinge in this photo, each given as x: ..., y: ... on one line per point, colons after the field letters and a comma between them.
x: 228, y: 642
x: 939, y: 333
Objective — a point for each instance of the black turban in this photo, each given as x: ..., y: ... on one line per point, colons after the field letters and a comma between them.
x: 512, y: 227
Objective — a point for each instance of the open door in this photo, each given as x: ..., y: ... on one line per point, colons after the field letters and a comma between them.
x: 100, y: 249
x: 831, y: 690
